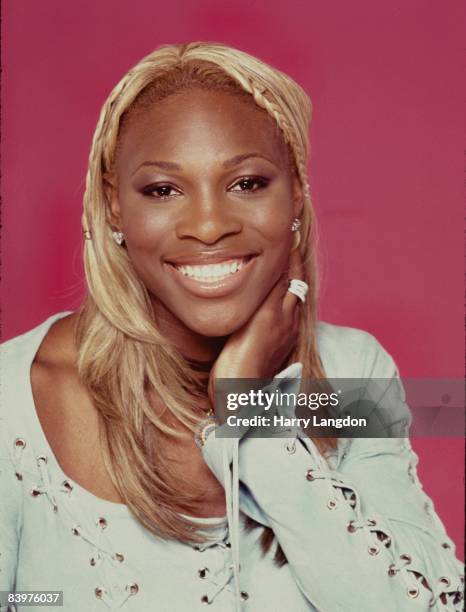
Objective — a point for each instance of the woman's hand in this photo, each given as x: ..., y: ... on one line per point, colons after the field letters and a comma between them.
x: 258, y: 349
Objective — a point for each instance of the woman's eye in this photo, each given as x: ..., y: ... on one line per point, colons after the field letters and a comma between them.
x: 160, y: 192
x: 253, y: 183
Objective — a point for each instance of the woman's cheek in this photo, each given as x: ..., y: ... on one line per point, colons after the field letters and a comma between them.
x: 144, y: 228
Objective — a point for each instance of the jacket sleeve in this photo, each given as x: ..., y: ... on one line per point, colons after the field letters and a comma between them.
x: 359, y: 536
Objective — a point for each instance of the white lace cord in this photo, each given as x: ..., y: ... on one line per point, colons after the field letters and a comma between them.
x: 46, y: 486
x: 232, y: 504
x: 322, y: 471
x: 236, y: 524
x: 447, y: 589
x: 222, y: 585
x: 101, y: 551
x: 112, y: 603
x: 100, y: 546
x: 360, y: 522
x: 402, y: 563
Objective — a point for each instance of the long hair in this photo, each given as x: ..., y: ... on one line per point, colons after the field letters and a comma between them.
x: 123, y: 359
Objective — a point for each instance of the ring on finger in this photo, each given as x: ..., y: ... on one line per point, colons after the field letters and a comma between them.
x: 299, y: 288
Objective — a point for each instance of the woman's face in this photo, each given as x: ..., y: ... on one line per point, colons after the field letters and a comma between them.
x: 205, y: 197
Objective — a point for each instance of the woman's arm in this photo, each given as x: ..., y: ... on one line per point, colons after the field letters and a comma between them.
x: 360, y: 537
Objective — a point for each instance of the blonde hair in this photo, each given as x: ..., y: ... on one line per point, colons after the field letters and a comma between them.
x: 123, y: 359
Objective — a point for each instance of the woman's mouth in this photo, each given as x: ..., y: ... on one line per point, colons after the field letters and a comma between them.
x: 212, y: 273
x: 215, y: 279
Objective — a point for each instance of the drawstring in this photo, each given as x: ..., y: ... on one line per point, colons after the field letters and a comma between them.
x: 231, y: 480
x: 220, y: 465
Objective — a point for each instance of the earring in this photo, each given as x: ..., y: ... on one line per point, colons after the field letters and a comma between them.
x: 296, y: 240
x: 118, y: 237
x: 295, y: 225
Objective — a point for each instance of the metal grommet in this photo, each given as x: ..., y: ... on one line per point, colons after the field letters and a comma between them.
x: 98, y: 592
x: 67, y: 485
x: 373, y: 550
x: 119, y: 557
x: 41, y: 458
x: 18, y: 476
x: 413, y: 592
x: 290, y: 448
x: 371, y: 522
x: 444, y: 580
x: 133, y: 588
x: 350, y: 527
x: 244, y: 595
x: 75, y: 530
x: 406, y: 558
x: 205, y: 599
x: 392, y: 570
x: 102, y: 522
x: 92, y: 561
x: 445, y: 545
x: 35, y: 492
x: 20, y: 443
x: 331, y: 504
x: 202, y: 573
x: 309, y: 475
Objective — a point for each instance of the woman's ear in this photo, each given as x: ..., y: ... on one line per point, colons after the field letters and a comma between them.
x: 111, y: 199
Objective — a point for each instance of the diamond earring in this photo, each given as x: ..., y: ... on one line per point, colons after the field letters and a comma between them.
x: 295, y: 225
x: 118, y: 237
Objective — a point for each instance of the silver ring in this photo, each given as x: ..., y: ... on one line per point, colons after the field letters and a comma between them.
x: 298, y: 288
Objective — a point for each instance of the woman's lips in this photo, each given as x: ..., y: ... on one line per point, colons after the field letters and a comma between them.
x: 213, y: 280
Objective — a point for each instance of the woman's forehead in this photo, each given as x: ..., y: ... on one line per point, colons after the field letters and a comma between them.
x: 197, y: 122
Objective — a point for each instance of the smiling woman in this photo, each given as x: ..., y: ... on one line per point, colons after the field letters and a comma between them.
x: 200, y: 260
x: 212, y: 220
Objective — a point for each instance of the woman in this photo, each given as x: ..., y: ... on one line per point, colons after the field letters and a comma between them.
x: 197, y: 216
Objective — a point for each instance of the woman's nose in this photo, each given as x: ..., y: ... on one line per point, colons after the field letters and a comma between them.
x: 207, y: 219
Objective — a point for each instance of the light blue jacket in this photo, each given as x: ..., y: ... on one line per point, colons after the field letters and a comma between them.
x: 358, y: 531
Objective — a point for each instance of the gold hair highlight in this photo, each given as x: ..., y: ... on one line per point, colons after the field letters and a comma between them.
x: 123, y: 359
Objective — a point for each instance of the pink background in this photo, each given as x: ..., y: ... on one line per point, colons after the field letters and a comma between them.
x: 386, y: 83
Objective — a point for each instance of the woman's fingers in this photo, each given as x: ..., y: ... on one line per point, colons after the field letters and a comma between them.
x: 296, y: 271
x: 279, y: 299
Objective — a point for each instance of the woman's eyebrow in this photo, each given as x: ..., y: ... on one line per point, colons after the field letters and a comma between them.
x: 237, y: 159
x: 163, y: 165
x: 229, y: 163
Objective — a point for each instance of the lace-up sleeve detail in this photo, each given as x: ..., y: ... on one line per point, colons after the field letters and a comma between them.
x: 361, y: 534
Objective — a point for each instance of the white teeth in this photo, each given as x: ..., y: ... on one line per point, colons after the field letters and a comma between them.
x: 212, y: 271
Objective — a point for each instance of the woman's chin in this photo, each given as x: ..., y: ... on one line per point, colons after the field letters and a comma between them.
x: 215, y: 330
x: 216, y: 326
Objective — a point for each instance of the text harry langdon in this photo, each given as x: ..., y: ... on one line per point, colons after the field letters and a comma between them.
x: 282, y: 421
